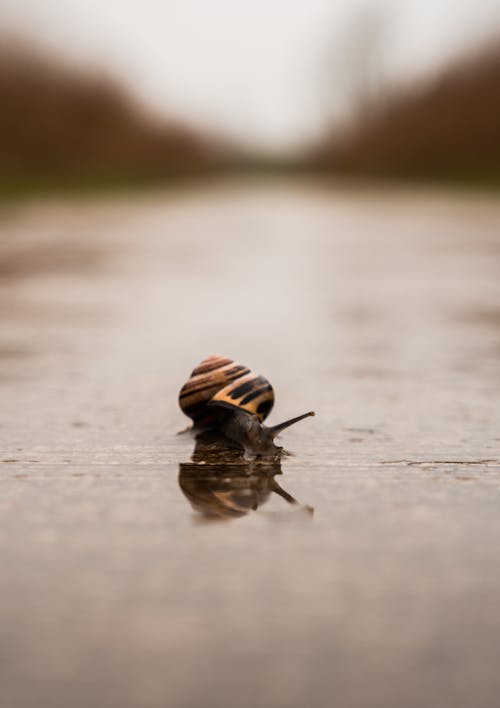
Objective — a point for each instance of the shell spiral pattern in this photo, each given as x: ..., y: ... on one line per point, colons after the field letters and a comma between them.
x: 219, y: 383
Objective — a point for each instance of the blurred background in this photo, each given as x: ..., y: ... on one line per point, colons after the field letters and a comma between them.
x: 132, y: 91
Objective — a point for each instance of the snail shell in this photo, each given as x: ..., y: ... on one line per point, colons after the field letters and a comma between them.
x: 218, y: 384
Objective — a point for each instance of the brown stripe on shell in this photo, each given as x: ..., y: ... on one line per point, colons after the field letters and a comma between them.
x: 211, y: 363
x: 257, y: 393
x: 212, y: 375
x: 202, y: 386
x: 247, y: 393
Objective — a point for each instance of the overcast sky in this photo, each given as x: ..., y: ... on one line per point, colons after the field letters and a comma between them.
x: 262, y: 71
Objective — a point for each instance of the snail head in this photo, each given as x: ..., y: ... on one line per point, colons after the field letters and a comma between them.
x: 255, y: 438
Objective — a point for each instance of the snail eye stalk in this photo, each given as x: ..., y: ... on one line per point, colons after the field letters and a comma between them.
x: 274, y: 430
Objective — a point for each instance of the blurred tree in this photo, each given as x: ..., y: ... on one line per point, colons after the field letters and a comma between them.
x: 447, y: 127
x: 68, y: 125
x: 355, y: 77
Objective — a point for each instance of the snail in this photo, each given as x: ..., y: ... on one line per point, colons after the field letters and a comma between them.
x: 223, y: 395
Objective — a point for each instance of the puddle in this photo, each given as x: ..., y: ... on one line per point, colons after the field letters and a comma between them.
x: 220, y: 485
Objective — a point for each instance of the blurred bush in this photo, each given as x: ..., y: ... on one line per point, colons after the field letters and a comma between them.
x: 61, y: 126
x: 448, y: 127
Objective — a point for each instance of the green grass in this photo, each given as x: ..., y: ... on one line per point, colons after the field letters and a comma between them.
x: 24, y: 187
x: 28, y: 186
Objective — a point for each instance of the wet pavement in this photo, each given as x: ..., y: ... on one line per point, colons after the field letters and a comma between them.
x: 364, y: 570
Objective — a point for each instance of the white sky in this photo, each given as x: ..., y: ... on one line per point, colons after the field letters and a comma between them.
x: 253, y: 69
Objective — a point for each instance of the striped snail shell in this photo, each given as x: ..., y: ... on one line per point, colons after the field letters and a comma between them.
x: 218, y: 384
x: 223, y: 394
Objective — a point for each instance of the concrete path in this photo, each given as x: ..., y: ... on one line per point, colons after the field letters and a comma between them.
x: 381, y: 311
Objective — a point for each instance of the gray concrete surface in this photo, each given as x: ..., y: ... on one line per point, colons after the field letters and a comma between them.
x: 381, y: 311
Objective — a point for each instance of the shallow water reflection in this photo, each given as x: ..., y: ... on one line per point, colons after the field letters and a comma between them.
x: 220, y: 485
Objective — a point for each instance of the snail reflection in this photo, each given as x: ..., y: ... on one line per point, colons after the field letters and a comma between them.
x: 221, y: 485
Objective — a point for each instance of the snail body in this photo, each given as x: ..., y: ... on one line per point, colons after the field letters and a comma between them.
x: 221, y: 394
